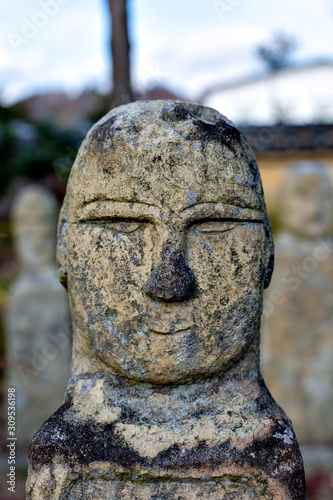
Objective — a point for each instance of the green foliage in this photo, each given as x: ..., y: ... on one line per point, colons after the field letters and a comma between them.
x: 33, y: 150
x: 8, y: 270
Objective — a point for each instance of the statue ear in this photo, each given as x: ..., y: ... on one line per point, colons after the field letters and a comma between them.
x: 62, y: 244
x: 269, y: 255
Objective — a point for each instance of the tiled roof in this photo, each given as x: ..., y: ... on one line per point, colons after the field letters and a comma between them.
x: 282, y: 137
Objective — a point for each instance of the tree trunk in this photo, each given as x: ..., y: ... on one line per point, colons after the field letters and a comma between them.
x: 122, y: 92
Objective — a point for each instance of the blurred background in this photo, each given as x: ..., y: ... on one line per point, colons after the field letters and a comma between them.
x: 65, y: 63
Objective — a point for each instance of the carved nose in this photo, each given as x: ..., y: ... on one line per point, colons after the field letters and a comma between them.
x: 171, y: 280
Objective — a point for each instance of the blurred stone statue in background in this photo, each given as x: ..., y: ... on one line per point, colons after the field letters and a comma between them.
x: 297, y: 326
x: 165, y: 247
x: 38, y: 333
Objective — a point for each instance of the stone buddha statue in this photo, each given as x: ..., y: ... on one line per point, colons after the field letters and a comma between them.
x: 165, y: 247
x: 38, y: 332
x: 306, y: 201
x: 297, y: 341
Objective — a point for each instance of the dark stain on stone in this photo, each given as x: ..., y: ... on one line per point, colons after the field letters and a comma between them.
x: 99, y: 243
x: 221, y: 132
x: 234, y: 257
x: 88, y: 442
x: 175, y: 113
x: 104, y: 131
x: 157, y: 159
x: 224, y: 301
x: 253, y: 179
x: 128, y: 416
x: 78, y: 442
x: 269, y: 271
x: 269, y: 455
x: 171, y: 280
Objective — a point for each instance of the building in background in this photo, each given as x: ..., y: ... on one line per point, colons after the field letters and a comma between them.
x: 297, y: 95
x: 286, y: 115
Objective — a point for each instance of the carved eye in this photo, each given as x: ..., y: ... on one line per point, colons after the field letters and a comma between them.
x: 124, y: 227
x: 116, y: 225
x: 217, y: 226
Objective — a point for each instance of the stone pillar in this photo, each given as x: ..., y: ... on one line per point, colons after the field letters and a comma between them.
x: 297, y: 340
x: 165, y: 248
x: 38, y: 336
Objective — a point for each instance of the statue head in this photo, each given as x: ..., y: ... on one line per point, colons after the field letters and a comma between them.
x: 164, y: 244
x: 306, y: 200
x: 34, y: 218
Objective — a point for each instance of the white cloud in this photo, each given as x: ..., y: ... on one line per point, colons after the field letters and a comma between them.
x: 67, y: 52
x: 204, y: 49
x: 184, y: 44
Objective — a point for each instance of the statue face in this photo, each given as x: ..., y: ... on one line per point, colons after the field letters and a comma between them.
x: 34, y: 226
x: 167, y: 243
x: 36, y: 244
x: 164, y: 288
x: 307, y: 203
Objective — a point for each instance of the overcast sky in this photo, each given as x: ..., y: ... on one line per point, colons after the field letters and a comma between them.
x: 186, y: 45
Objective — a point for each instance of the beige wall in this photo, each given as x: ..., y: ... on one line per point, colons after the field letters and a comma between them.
x: 273, y: 165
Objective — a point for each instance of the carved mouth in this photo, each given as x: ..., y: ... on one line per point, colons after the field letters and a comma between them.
x: 171, y: 331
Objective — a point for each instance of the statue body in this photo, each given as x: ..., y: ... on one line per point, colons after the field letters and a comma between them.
x: 165, y: 248
x: 38, y: 322
x: 297, y: 342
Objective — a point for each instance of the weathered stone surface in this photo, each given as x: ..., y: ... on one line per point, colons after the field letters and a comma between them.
x: 165, y: 247
x: 297, y: 340
x: 38, y: 323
